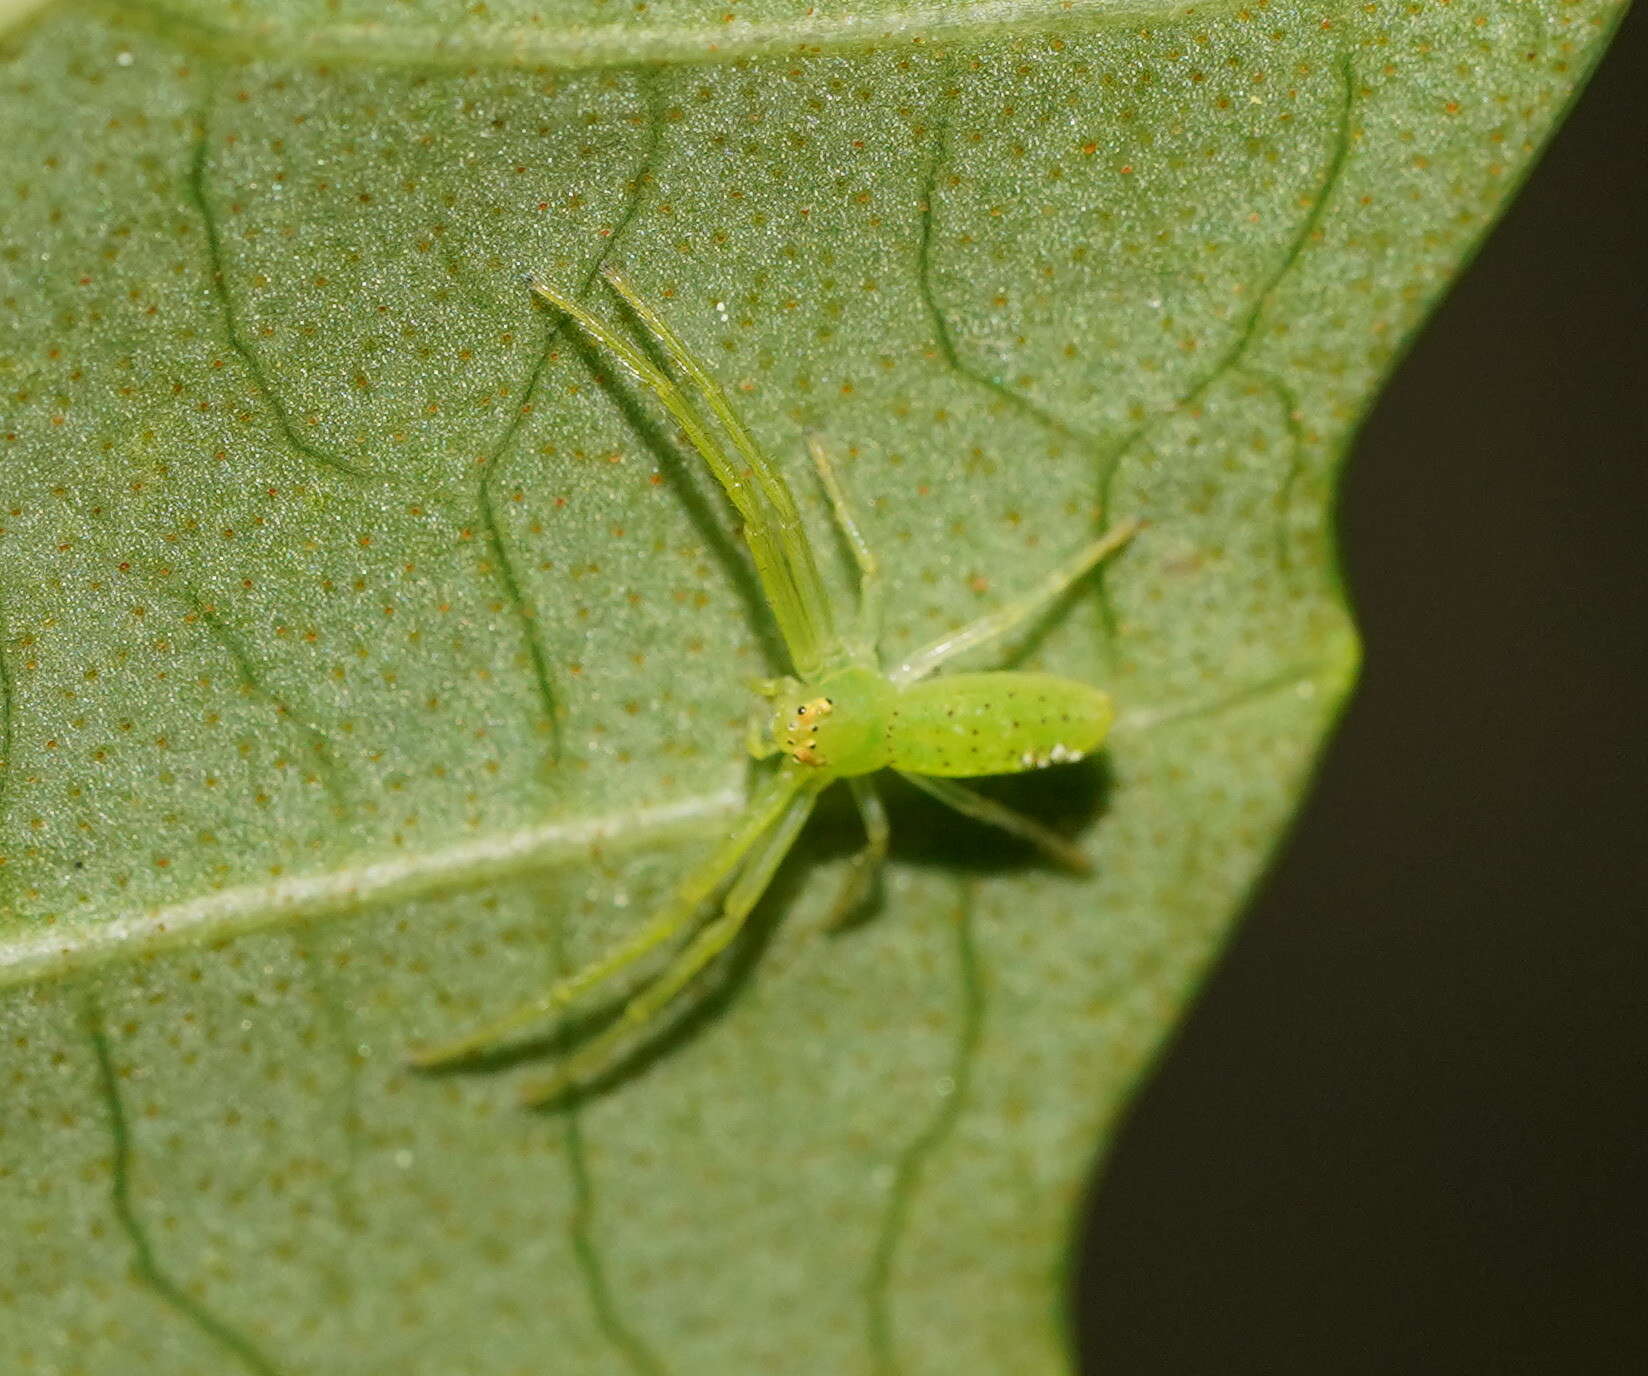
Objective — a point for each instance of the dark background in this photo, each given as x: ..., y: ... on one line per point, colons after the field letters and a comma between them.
x: 1404, y: 1128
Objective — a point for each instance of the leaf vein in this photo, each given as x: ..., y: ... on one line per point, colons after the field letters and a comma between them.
x: 1232, y: 356
x: 145, y: 1262
x: 1330, y: 677
x: 1288, y: 400
x: 335, y: 1013
x: 942, y: 333
x: 493, y: 463
x: 913, y: 1163
x: 581, y: 1227
x: 945, y: 338
x: 195, y: 188
x: 326, y: 767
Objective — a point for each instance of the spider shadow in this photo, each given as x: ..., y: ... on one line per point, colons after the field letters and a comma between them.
x: 926, y: 835
x: 1066, y: 799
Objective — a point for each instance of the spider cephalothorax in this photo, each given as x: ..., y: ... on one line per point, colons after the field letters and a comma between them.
x: 799, y: 738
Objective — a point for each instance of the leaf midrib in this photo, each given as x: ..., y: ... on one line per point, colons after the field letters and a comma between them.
x: 626, y: 44
x: 57, y: 948
x: 61, y: 948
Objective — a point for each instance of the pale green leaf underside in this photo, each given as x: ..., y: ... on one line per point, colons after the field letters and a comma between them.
x: 345, y: 612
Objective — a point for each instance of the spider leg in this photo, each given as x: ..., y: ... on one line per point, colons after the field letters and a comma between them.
x: 865, y: 868
x: 786, y: 531
x: 869, y: 567
x: 769, y: 809
x: 987, y: 810
x: 758, y: 736
x: 767, y: 532
x: 1011, y: 615
x: 605, y: 1049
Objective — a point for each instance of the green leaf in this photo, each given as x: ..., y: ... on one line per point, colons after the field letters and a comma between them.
x: 369, y: 650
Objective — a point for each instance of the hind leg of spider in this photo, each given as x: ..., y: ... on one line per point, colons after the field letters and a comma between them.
x: 610, y: 1046
x: 992, y: 813
x: 768, y: 809
x: 864, y: 869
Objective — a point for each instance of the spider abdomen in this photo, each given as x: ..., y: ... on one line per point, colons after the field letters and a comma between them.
x: 958, y: 725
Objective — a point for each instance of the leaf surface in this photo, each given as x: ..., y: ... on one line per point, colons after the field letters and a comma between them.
x: 370, y: 650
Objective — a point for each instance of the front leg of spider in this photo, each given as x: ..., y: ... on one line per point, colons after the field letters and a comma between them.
x: 841, y: 716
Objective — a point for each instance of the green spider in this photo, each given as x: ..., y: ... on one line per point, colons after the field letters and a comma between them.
x: 842, y: 716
